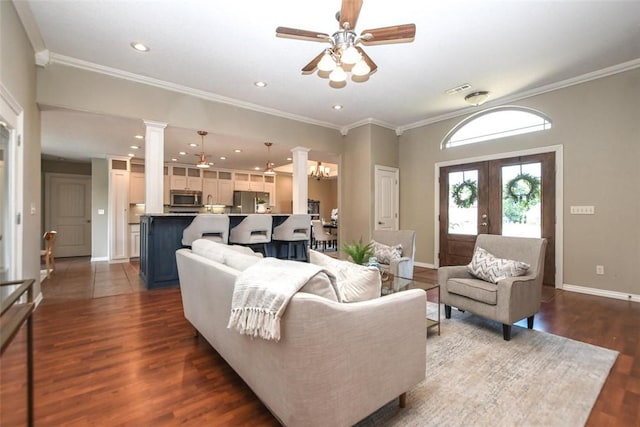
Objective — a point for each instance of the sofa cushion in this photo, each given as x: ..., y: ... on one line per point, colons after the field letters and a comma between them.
x: 385, y: 253
x: 478, y: 290
x: 320, y: 285
x: 355, y: 282
x: 235, y: 257
x: 486, y: 266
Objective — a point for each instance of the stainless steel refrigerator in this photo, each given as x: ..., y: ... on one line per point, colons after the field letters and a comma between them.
x: 245, y: 201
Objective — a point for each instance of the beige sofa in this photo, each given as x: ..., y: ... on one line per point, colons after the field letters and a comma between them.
x: 335, y: 363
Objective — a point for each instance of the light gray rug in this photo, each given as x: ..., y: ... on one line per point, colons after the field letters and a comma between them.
x: 475, y: 378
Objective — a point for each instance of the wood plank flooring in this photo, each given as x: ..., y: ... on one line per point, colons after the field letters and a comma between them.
x: 131, y: 359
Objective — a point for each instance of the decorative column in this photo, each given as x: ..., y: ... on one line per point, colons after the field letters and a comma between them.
x: 154, y: 167
x: 300, y: 182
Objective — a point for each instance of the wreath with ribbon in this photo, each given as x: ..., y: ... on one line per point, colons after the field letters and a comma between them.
x: 524, y: 189
x: 465, y: 193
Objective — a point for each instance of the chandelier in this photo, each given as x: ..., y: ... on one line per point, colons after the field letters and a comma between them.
x: 202, y: 162
x: 319, y: 172
x: 268, y: 170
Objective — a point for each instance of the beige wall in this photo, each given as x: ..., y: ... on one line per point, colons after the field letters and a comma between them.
x: 18, y: 76
x: 77, y: 89
x: 355, y: 180
x: 326, y: 191
x: 99, y: 200
x: 597, y: 124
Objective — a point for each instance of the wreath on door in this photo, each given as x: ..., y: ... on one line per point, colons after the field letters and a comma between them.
x: 465, y: 193
x: 524, y: 189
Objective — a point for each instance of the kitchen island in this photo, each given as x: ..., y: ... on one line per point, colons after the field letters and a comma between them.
x: 161, y: 237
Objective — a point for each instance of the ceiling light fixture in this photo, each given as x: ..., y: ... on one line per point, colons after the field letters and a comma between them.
x: 260, y: 84
x: 319, y: 172
x: 140, y: 47
x: 139, y: 137
x: 337, y: 107
x: 135, y: 147
x: 268, y: 170
x: 202, y: 162
x: 477, y: 98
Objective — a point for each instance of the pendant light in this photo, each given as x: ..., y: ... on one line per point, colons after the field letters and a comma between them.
x: 268, y: 170
x: 202, y: 162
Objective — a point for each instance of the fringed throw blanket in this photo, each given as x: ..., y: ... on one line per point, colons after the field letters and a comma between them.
x: 263, y: 291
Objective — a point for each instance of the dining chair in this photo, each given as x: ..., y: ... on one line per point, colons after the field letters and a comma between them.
x: 48, y: 252
x: 319, y: 235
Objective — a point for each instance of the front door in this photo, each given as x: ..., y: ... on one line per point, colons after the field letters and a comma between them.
x: 509, y: 197
x: 68, y: 202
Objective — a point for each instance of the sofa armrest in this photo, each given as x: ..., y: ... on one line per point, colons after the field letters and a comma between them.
x: 521, y: 295
x: 453, y: 271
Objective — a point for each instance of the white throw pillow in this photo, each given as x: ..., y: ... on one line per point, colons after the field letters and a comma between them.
x: 320, y: 285
x: 245, y: 250
x: 385, y: 253
x: 355, y: 282
x: 239, y: 261
x: 237, y: 257
x: 487, y: 267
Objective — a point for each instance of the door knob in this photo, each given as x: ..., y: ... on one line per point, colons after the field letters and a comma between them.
x: 379, y: 222
x: 484, y: 216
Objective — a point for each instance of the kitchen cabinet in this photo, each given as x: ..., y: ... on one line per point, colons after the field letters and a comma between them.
x: 248, y: 182
x: 166, y: 187
x: 210, y: 187
x: 136, y: 184
x: 225, y: 188
x: 186, y: 178
x: 134, y: 240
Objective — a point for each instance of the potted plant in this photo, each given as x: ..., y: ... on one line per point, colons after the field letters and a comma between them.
x: 358, y: 251
x: 260, y: 203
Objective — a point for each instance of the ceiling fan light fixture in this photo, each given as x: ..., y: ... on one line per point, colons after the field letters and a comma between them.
x: 350, y: 55
x: 338, y: 75
x: 360, y: 69
x: 477, y: 98
x: 327, y: 62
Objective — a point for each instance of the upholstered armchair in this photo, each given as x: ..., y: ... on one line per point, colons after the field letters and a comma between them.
x: 510, y: 299
x: 403, y: 266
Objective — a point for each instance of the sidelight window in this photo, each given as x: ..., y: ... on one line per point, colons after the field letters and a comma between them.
x: 495, y: 123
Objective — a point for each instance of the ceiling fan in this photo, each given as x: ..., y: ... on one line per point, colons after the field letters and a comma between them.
x: 345, y: 54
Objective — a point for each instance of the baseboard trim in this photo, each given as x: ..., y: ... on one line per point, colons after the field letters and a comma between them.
x: 424, y: 265
x: 38, y: 299
x: 99, y: 258
x: 601, y: 292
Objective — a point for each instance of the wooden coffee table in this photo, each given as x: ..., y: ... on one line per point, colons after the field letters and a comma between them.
x: 395, y: 284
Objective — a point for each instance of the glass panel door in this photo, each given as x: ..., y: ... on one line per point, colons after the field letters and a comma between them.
x: 521, y: 200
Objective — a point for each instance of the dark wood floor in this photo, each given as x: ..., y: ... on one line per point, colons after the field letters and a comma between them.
x: 130, y: 358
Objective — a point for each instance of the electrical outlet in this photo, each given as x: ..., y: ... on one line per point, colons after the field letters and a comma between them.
x: 600, y: 270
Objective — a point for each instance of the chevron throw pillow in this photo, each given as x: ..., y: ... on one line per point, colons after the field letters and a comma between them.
x: 487, y: 267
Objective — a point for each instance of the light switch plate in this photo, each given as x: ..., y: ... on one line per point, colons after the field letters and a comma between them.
x: 582, y: 210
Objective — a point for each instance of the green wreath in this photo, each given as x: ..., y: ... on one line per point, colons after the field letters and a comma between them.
x: 465, y: 193
x: 524, y: 189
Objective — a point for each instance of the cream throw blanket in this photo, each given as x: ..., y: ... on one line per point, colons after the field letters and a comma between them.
x: 262, y: 292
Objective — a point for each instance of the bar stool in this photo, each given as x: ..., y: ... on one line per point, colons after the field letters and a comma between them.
x: 254, y: 231
x: 294, y: 232
x: 207, y: 226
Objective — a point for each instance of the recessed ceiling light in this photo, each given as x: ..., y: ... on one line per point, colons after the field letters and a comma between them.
x: 337, y: 107
x: 237, y: 150
x: 131, y: 155
x: 260, y: 84
x: 223, y: 158
x: 182, y: 153
x: 193, y: 144
x: 135, y: 147
x: 257, y: 168
x: 174, y: 159
x: 289, y: 159
x: 139, y: 137
x: 140, y: 47
x: 211, y: 163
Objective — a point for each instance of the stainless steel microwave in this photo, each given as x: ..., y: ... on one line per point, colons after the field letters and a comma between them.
x: 186, y: 198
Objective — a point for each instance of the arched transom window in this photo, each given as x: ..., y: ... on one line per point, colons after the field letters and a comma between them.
x: 496, y: 123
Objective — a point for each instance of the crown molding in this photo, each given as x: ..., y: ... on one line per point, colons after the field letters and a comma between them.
x: 30, y: 26
x: 604, y: 72
x: 370, y: 121
x: 137, y: 78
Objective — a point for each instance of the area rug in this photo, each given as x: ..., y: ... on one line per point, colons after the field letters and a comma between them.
x: 475, y: 378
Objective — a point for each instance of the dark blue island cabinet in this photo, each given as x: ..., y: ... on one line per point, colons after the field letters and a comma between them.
x: 160, y: 238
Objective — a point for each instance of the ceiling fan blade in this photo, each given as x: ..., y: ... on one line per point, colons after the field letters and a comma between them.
x: 313, y: 64
x: 367, y: 59
x: 301, y: 34
x: 349, y: 13
x: 395, y: 33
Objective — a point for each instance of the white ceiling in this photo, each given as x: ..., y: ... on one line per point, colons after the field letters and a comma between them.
x: 510, y: 48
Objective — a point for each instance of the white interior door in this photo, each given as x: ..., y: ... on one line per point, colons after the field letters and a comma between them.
x: 387, y: 198
x: 68, y: 201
